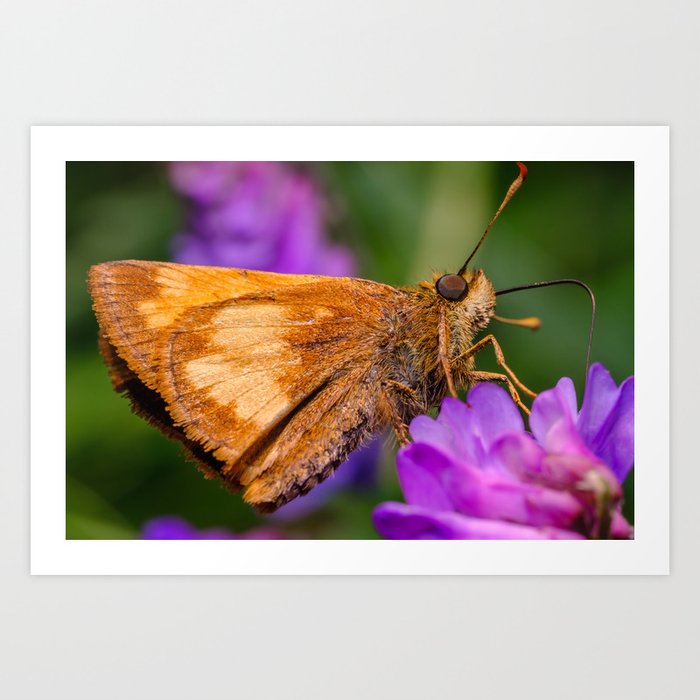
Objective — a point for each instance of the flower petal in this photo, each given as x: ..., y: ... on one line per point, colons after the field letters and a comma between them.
x: 488, y: 413
x: 172, y: 527
x: 493, y: 413
x: 168, y: 527
x: 432, y: 478
x: 486, y: 494
x: 425, y: 429
x: 520, y: 455
x: 203, y: 181
x: 614, y: 441
x: 574, y: 472
x: 552, y: 406
x: 421, y: 469
x: 598, y: 400
x: 398, y: 521
x: 553, y: 420
x: 455, y: 417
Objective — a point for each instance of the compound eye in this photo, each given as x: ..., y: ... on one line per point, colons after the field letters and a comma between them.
x: 452, y: 287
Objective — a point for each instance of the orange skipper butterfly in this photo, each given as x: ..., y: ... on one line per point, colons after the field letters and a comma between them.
x: 270, y: 380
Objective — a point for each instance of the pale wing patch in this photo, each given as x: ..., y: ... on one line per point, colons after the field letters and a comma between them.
x: 255, y: 393
x: 248, y: 342
x: 155, y: 316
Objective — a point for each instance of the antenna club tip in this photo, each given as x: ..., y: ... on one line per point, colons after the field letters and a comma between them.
x: 523, y: 169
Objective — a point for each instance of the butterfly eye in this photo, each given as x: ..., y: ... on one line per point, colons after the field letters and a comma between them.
x: 452, y: 287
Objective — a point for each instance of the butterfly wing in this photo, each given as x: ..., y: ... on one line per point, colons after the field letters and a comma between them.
x: 274, y: 376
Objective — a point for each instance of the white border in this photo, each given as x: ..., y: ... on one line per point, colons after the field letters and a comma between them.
x: 51, y: 147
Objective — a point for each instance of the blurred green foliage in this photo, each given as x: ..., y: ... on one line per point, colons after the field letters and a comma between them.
x: 404, y: 220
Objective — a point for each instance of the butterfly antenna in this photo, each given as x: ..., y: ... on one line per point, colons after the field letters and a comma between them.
x: 551, y: 283
x: 515, y: 186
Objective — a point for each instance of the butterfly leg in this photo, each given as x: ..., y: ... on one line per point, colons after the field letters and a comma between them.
x: 396, y: 394
x: 500, y: 358
x: 504, y: 379
x: 401, y: 431
x: 444, y: 353
x: 397, y: 424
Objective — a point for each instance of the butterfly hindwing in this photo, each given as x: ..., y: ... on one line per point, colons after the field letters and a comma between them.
x: 317, y: 438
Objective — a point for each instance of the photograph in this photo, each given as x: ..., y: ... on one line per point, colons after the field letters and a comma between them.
x: 350, y: 350
x: 344, y: 352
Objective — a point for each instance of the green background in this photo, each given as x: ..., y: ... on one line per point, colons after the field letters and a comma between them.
x: 403, y: 220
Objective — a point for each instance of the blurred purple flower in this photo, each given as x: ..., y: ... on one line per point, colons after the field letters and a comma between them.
x: 257, y: 216
x: 474, y: 473
x: 171, y: 527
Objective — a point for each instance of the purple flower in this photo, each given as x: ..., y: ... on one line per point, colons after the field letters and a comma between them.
x: 171, y: 527
x: 255, y: 215
x: 475, y: 473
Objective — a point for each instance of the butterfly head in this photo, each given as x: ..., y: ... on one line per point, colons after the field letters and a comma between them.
x: 470, y: 297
